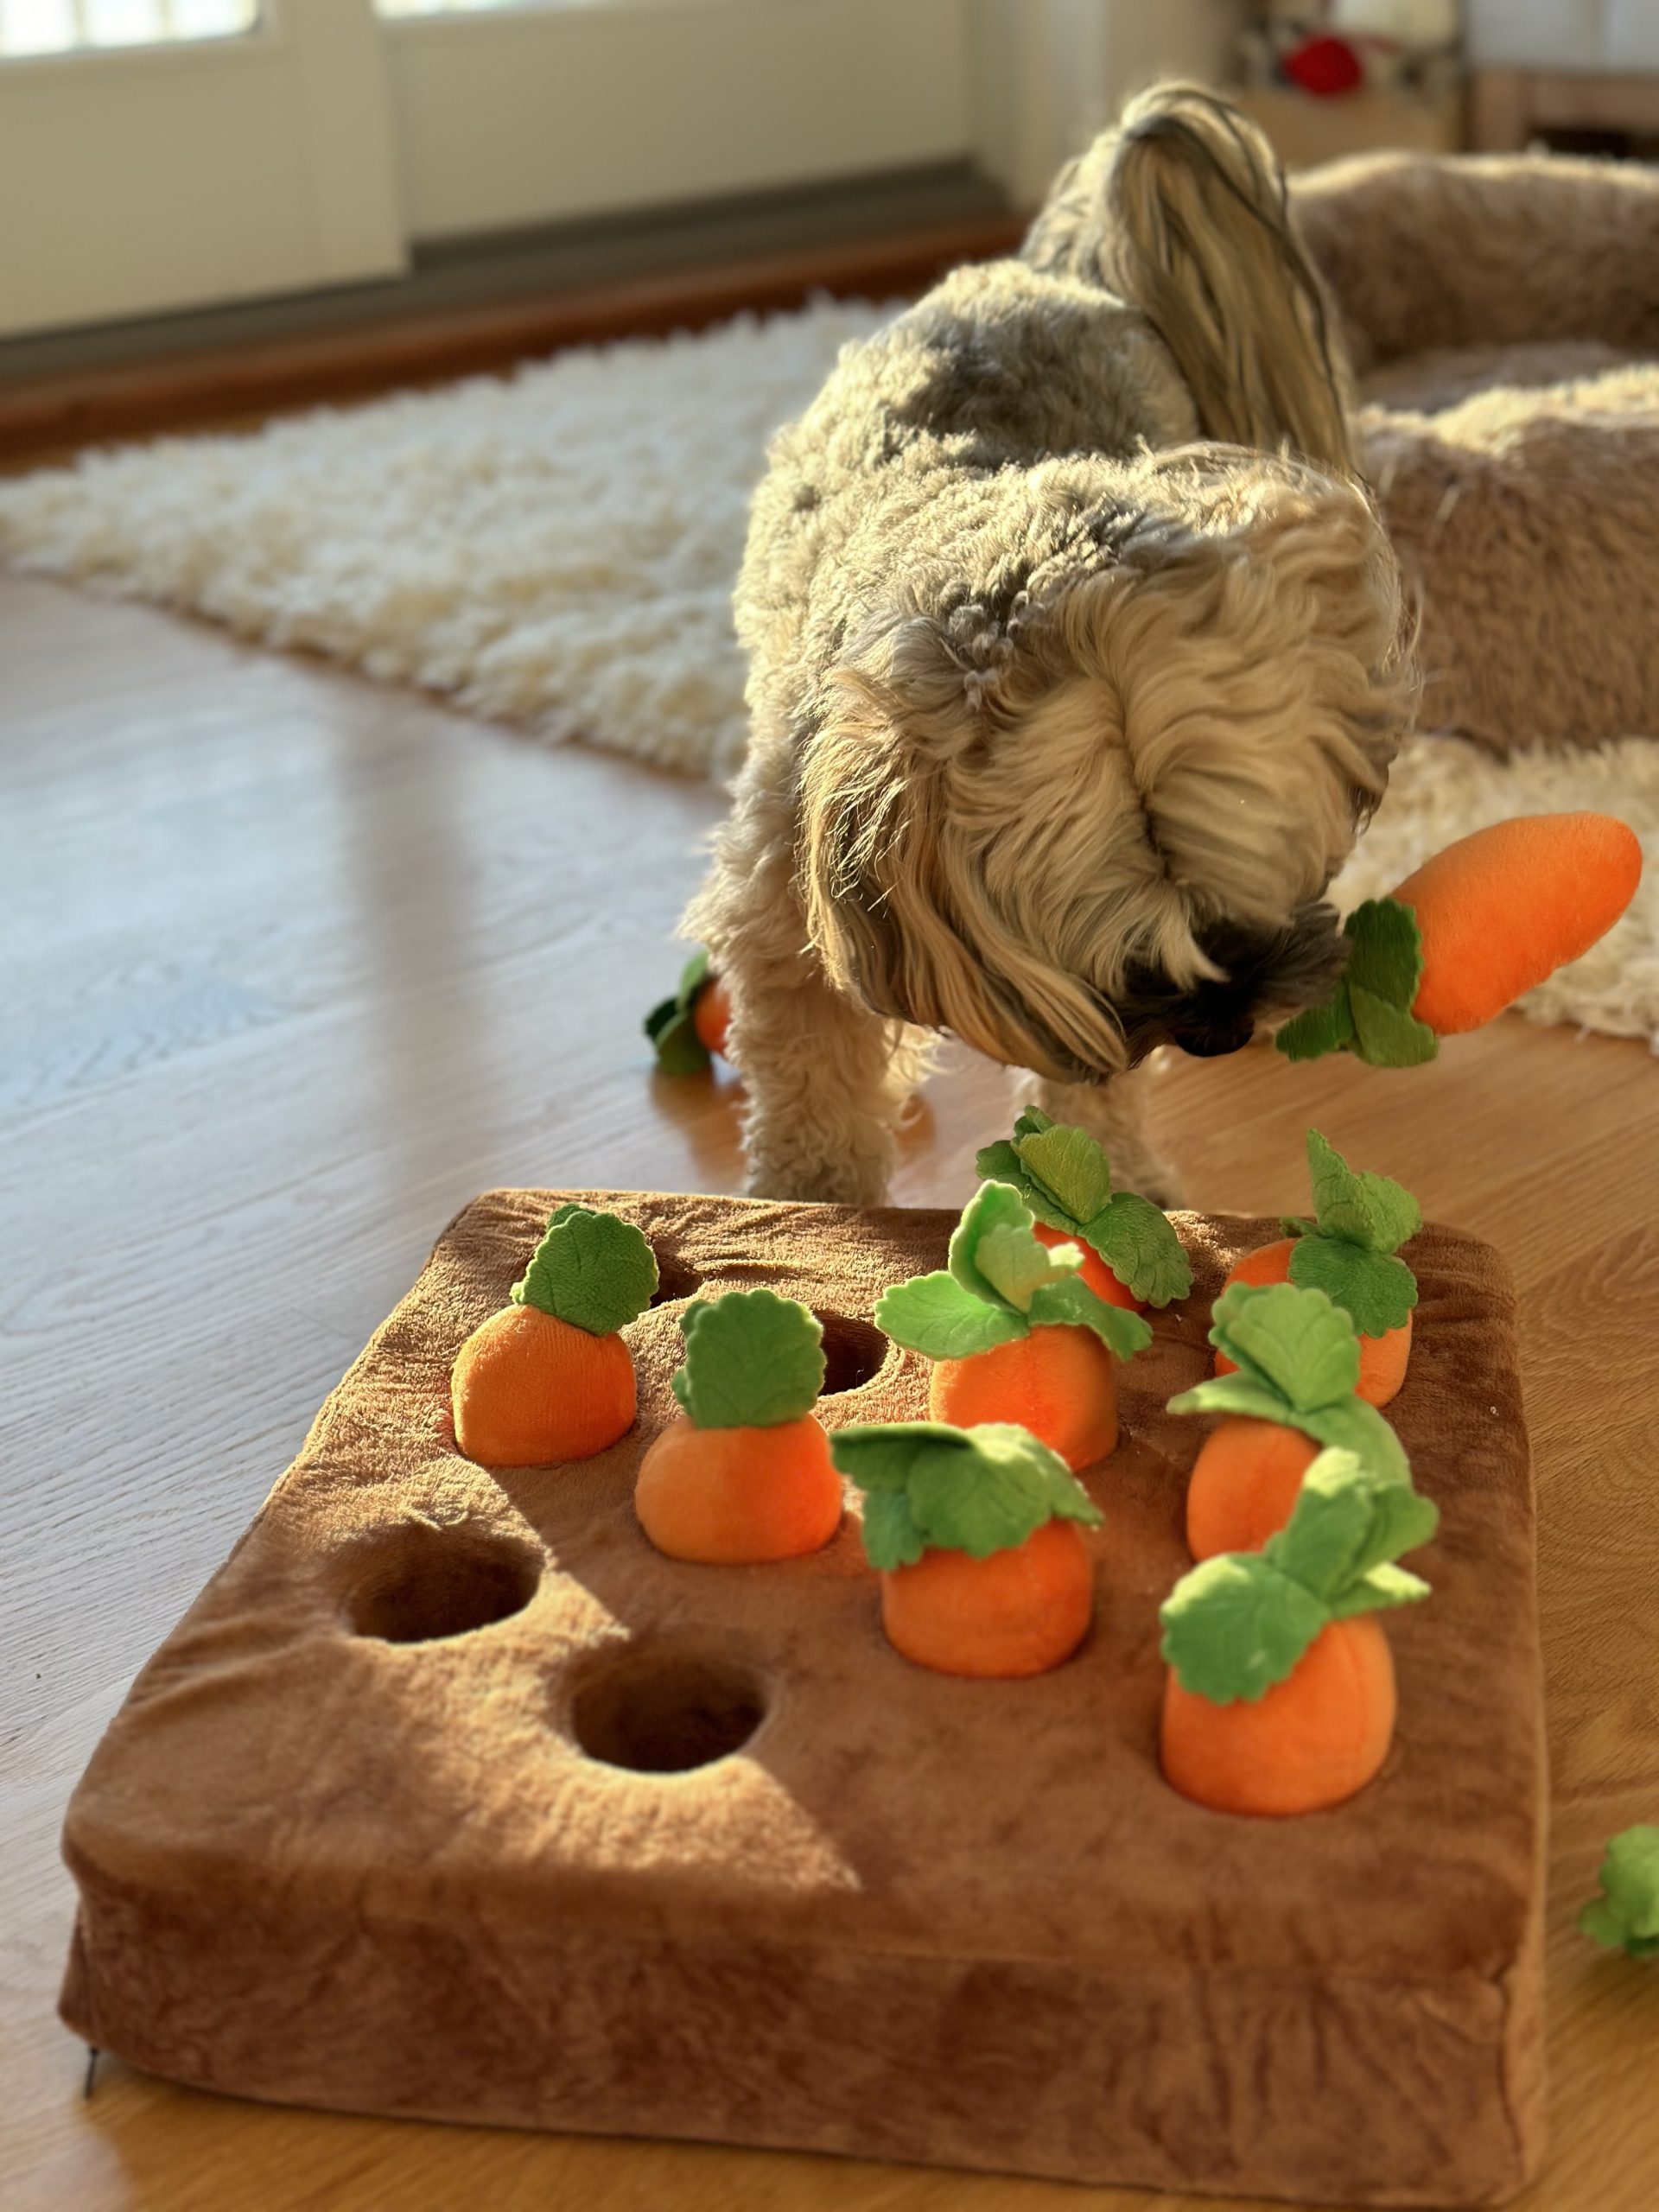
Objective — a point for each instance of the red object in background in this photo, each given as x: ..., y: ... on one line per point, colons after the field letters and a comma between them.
x: 1324, y: 67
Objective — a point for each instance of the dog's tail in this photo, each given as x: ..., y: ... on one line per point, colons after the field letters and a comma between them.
x: 1197, y: 235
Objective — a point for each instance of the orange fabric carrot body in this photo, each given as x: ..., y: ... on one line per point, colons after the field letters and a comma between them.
x: 977, y: 1534
x: 1312, y: 1741
x: 743, y: 1476
x: 1506, y: 906
x: 1473, y: 930
x: 1244, y: 1485
x: 1280, y: 1698
x: 1016, y: 1335
x: 1382, y: 1359
x: 548, y: 1378
x: 1058, y: 1382
x: 1019, y: 1612
x: 1291, y: 1361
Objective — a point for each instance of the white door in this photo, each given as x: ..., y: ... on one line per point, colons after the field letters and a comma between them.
x: 159, y: 154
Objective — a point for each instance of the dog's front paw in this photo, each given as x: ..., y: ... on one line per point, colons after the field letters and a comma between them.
x: 1152, y: 1178
x: 847, y: 1178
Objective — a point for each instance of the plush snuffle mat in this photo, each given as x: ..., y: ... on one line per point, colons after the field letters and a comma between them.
x: 451, y: 1797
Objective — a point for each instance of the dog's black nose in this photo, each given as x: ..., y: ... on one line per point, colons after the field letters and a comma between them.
x: 1212, y: 1044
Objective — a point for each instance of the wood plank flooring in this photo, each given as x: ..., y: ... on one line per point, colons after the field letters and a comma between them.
x: 290, y: 967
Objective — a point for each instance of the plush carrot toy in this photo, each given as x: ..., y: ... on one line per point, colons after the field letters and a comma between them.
x: 691, y: 1028
x: 1014, y: 1332
x: 547, y: 1378
x: 1349, y: 1251
x: 1293, y: 1365
x: 1474, y: 929
x: 1626, y: 1916
x: 744, y: 1474
x: 1131, y: 1256
x: 977, y: 1535
x: 1281, y: 1697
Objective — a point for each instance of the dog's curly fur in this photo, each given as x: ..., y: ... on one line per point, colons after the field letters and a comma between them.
x: 1076, y: 659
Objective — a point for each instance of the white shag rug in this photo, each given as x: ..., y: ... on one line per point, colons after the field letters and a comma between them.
x: 556, y: 549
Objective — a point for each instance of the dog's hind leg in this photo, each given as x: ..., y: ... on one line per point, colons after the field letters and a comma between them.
x: 1115, y: 1114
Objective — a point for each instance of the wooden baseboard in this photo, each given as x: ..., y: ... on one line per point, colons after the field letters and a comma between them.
x: 198, y: 390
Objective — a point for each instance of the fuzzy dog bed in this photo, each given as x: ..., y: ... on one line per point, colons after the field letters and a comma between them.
x: 1503, y: 315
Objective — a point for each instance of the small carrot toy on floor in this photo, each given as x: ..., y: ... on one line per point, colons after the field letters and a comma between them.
x: 977, y: 1535
x: 691, y: 1028
x: 1281, y: 1697
x: 1476, y: 927
x: 1626, y: 1916
x: 1289, y: 1391
x: 1014, y: 1332
x: 1131, y: 1256
x: 547, y: 1378
x: 744, y: 1474
x: 1349, y: 1251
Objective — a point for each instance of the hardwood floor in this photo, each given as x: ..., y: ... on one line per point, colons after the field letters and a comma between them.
x: 294, y: 966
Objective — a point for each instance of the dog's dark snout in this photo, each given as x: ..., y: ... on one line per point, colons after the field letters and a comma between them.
x: 1214, y: 1043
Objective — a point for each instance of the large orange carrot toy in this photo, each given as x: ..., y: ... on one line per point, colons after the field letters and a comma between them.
x: 689, y: 1029
x: 976, y: 1535
x: 744, y: 1474
x: 1349, y: 1251
x: 1292, y: 1364
x: 1281, y: 1697
x: 1131, y: 1256
x: 1014, y: 1332
x: 1473, y: 930
x: 547, y: 1378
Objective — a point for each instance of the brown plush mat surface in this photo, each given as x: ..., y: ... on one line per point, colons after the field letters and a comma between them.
x: 399, y: 1818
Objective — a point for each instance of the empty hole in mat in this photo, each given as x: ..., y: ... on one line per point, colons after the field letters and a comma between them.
x: 666, y: 1712
x: 674, y: 1278
x: 418, y: 1583
x: 853, y: 1352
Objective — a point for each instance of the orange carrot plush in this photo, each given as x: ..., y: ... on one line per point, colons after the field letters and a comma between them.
x: 1014, y: 1332
x: 1473, y: 930
x: 1131, y: 1256
x: 744, y: 1474
x: 1293, y: 1361
x: 1349, y: 1251
x: 547, y: 1378
x: 1281, y: 1697
x: 976, y: 1536
x: 691, y: 1027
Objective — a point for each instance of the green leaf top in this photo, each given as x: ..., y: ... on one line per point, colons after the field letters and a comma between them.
x: 1295, y: 1340
x: 671, y: 1027
x: 1370, y: 1012
x: 1062, y: 1175
x: 1626, y: 1914
x: 1298, y: 1361
x: 591, y: 1269
x: 1240, y: 1622
x: 976, y: 1490
x: 1001, y: 1283
x: 753, y: 1359
x: 1349, y: 1252
x: 1350, y: 1249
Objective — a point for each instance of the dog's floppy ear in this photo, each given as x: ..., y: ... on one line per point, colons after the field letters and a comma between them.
x: 896, y: 911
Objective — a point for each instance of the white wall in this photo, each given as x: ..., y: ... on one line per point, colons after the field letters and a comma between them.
x: 1049, y: 74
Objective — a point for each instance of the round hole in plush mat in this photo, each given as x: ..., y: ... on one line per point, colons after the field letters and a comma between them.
x: 674, y: 1278
x: 853, y: 1352
x: 417, y: 1582
x: 666, y: 1711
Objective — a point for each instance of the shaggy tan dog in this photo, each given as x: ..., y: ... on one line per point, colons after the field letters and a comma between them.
x: 1076, y: 662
